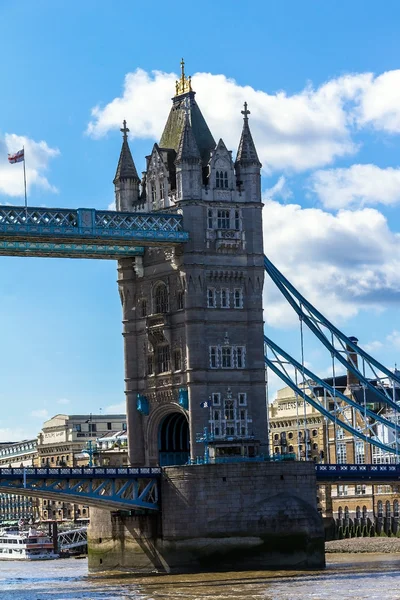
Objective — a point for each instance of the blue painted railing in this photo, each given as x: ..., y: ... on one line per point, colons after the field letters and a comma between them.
x: 84, y: 232
x: 334, y: 472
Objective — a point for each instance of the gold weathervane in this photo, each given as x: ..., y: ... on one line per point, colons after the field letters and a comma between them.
x: 184, y: 84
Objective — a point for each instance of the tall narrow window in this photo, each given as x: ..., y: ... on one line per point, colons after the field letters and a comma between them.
x: 226, y: 185
x: 177, y: 360
x: 163, y: 359
x: 240, y: 355
x: 180, y: 301
x: 238, y: 298
x: 229, y: 410
x: 218, y: 182
x: 237, y: 219
x: 226, y: 357
x: 153, y: 193
x: 210, y: 218
x: 211, y: 298
x: 161, y: 298
x: 225, y: 298
x: 242, y: 399
x: 359, y: 452
x: 144, y: 307
x: 216, y: 399
x: 213, y: 357
x: 341, y: 457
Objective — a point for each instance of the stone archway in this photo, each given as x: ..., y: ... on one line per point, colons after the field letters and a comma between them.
x: 173, y: 440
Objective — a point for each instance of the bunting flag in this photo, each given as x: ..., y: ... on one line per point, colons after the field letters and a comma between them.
x: 17, y: 157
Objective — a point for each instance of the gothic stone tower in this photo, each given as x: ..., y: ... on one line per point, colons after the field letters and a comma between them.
x: 192, y: 316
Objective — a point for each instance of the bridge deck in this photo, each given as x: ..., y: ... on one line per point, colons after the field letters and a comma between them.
x: 85, y: 232
x: 111, y: 487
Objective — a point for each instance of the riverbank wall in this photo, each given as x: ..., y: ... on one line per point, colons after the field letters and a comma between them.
x: 237, y: 516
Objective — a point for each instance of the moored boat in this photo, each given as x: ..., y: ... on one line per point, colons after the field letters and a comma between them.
x: 25, y: 545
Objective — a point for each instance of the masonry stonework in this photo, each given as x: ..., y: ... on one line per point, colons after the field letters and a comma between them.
x: 218, y: 517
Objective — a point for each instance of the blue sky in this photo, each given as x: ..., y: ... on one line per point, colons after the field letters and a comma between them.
x: 323, y: 88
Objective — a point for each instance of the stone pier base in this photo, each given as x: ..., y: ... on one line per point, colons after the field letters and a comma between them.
x: 239, y: 516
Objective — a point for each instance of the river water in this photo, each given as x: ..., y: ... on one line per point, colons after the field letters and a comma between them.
x: 347, y: 576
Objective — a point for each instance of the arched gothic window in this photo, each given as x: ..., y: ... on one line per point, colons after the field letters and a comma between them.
x: 364, y: 512
x: 380, y: 509
x: 160, y: 298
x: 396, y: 508
x: 388, y: 509
x: 358, y: 512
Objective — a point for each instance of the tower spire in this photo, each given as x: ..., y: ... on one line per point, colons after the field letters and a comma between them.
x: 126, y: 180
x: 247, y: 153
x: 126, y: 167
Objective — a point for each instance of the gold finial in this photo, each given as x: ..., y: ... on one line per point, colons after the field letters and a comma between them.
x: 184, y: 84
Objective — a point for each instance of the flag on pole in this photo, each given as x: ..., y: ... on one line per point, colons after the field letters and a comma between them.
x: 205, y: 404
x: 17, y: 157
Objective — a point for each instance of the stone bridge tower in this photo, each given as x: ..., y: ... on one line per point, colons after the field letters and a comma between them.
x: 192, y: 315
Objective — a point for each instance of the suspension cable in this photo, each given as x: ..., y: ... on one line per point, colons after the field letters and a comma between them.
x: 304, y: 386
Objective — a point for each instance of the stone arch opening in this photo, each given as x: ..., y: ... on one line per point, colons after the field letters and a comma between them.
x: 173, y: 440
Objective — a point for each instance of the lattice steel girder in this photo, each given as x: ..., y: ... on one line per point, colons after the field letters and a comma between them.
x: 69, y: 250
x: 355, y: 473
x: 92, y: 226
x: 315, y: 402
x: 315, y: 320
x: 117, y: 488
x: 72, y: 538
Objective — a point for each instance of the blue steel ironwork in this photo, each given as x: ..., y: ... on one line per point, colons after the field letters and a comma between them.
x: 87, y: 226
x: 356, y: 473
x: 315, y: 321
x: 331, y: 391
x: 284, y: 375
x: 68, y: 250
x: 108, y: 487
x: 206, y: 437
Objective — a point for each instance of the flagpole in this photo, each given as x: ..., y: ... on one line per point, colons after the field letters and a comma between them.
x: 26, y: 201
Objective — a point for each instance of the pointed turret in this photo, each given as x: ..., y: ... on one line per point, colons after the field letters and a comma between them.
x: 188, y: 163
x: 126, y: 180
x: 247, y: 153
x: 247, y: 164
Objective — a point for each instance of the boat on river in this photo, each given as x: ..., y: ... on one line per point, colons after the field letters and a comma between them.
x: 25, y: 545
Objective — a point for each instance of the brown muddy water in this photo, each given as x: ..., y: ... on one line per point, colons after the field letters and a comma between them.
x: 347, y: 576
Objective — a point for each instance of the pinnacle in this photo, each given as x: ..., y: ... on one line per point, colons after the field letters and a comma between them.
x: 247, y: 152
x: 126, y: 167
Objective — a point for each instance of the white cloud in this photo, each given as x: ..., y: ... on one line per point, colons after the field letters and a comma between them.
x: 394, y: 338
x: 279, y: 190
x: 14, y: 434
x: 380, y: 103
x: 297, y: 132
x: 38, y: 156
x: 116, y: 408
x: 63, y: 401
x: 340, y: 271
x: 373, y: 346
x: 358, y: 185
x: 40, y: 413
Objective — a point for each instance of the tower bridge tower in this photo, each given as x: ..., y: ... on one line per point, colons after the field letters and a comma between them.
x: 192, y: 316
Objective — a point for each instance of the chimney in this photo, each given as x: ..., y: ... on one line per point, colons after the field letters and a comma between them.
x: 352, y: 380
